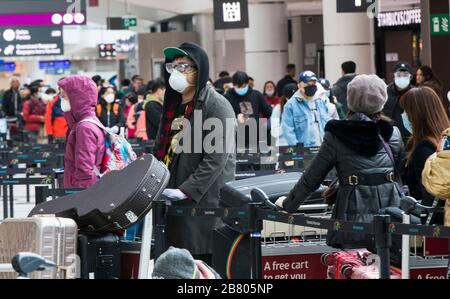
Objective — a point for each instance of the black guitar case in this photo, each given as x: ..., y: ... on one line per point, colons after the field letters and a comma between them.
x: 119, y: 200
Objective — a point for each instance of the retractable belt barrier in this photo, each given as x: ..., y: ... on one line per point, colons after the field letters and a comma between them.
x: 381, y: 227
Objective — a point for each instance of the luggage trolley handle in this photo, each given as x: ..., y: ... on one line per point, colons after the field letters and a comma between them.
x: 409, y: 204
x: 259, y: 196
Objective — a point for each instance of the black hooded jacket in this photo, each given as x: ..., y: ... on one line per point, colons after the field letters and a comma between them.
x: 354, y: 148
x: 200, y: 175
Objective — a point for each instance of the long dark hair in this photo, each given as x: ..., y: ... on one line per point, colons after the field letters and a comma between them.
x: 427, y: 115
x: 274, y: 88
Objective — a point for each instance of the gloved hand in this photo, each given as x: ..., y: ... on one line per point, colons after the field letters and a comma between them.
x: 280, y: 201
x: 174, y: 195
x: 115, y: 129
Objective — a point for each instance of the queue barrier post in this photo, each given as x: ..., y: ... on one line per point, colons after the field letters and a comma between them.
x: 255, y: 227
x: 159, y: 225
x: 383, y: 241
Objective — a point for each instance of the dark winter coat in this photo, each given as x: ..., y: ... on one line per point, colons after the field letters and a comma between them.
x: 10, y: 106
x: 153, y: 112
x: 199, y: 175
x: 283, y: 82
x: 393, y: 110
x: 340, y: 89
x: 353, y: 148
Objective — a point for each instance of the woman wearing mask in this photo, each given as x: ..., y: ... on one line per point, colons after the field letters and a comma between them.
x: 85, y: 145
x: 270, y: 94
x: 109, y: 111
x: 55, y: 123
x: 33, y: 113
x: 426, y: 77
x: 426, y: 119
x: 356, y: 148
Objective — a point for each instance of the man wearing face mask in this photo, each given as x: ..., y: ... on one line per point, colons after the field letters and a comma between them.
x: 247, y: 103
x: 400, y: 86
x: 306, y: 114
x: 55, y: 123
x: 197, y: 173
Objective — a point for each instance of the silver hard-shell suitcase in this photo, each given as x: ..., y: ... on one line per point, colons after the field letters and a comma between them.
x: 53, y: 238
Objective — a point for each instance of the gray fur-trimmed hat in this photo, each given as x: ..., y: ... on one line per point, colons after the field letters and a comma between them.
x: 367, y: 94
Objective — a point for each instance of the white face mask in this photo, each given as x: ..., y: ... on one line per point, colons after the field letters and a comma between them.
x: 47, y: 98
x: 402, y: 82
x: 65, y: 105
x: 178, y: 81
x: 109, y: 98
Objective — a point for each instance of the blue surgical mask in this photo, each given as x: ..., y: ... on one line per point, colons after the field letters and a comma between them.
x: 406, y: 123
x: 241, y: 91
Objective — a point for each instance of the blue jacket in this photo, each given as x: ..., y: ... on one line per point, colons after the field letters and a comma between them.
x: 298, y: 121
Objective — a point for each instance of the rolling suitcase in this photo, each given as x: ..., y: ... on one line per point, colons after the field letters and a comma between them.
x: 55, y: 239
x: 100, y: 256
x: 118, y: 201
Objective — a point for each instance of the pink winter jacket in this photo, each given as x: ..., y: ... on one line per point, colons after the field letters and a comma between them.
x: 86, y: 142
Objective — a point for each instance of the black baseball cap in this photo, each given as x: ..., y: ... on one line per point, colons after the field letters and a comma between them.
x: 403, y: 67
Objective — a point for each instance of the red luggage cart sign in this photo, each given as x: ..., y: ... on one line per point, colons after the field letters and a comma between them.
x: 298, y: 266
x: 429, y: 273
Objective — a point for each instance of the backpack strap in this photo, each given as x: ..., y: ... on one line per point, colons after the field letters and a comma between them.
x: 97, y: 123
x: 116, y: 109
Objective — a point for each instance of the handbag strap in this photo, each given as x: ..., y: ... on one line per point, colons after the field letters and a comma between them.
x: 388, y: 149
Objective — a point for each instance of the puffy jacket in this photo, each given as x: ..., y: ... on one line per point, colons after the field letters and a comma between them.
x: 33, y: 114
x: 85, y: 145
x: 298, y: 120
x: 55, y: 126
x: 353, y: 148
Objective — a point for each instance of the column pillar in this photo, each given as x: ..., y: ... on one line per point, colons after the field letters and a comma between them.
x: 266, y: 42
x: 204, y: 26
x: 347, y: 36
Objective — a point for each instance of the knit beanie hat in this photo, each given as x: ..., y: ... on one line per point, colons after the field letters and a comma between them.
x: 367, y: 94
x: 177, y: 264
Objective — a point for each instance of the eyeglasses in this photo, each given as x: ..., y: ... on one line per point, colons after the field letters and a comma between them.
x: 183, y: 68
x: 402, y: 74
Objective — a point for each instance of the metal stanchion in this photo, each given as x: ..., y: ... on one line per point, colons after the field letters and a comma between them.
x: 255, y: 227
x: 159, y: 223
x: 5, y: 201
x: 405, y: 249
x: 383, y: 240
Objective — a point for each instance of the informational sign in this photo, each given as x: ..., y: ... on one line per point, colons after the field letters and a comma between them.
x: 115, y: 23
x: 231, y: 14
x: 42, y: 12
x: 400, y: 18
x: 439, y: 24
x: 129, y: 22
x: 107, y: 51
x: 31, y: 41
x: 7, y: 66
x: 54, y: 64
x: 297, y: 266
x: 355, y: 5
x: 392, y: 57
x: 429, y: 273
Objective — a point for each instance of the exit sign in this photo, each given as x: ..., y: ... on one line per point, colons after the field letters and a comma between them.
x: 129, y: 22
x: 355, y: 5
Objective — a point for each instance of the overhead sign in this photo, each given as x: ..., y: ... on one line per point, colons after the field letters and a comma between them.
x: 440, y: 24
x: 54, y: 64
x: 115, y: 23
x: 400, y: 18
x: 107, y: 51
x: 355, y: 5
x: 7, y: 66
x: 31, y: 41
x: 42, y: 12
x: 231, y: 14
